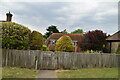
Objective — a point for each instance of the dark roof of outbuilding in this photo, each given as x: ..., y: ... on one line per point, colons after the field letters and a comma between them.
x: 115, y: 36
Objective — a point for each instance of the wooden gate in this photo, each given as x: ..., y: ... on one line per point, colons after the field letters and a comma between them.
x: 47, y: 60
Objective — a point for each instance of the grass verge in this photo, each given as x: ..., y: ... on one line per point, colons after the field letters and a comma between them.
x: 14, y: 72
x: 89, y: 73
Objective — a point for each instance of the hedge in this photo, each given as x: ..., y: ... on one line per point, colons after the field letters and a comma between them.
x: 15, y: 36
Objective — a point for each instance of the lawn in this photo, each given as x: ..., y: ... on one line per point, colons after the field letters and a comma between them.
x: 89, y: 73
x: 13, y: 72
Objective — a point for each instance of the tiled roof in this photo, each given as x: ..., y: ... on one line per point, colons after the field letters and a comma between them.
x: 66, y: 34
x: 56, y: 36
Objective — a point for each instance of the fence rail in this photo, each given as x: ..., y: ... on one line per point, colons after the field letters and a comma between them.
x: 56, y: 60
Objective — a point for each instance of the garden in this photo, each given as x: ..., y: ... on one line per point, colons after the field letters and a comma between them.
x: 18, y: 37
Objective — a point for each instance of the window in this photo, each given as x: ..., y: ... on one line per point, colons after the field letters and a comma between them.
x: 74, y: 42
x: 52, y: 41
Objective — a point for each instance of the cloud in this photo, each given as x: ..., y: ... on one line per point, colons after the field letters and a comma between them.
x: 75, y: 11
x: 86, y: 15
x: 59, y: 0
x: 103, y: 12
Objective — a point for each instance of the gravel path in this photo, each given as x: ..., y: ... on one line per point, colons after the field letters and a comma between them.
x: 47, y: 74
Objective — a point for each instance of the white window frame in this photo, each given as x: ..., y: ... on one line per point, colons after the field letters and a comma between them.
x: 75, y: 42
x: 52, y: 41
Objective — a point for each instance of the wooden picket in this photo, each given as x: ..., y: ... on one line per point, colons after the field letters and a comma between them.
x: 57, y: 60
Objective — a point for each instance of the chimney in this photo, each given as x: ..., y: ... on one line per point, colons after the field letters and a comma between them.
x: 65, y: 31
x: 9, y: 16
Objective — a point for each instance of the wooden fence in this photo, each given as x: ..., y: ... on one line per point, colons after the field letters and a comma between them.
x: 56, y: 60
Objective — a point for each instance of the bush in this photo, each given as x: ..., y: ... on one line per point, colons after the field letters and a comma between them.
x: 91, y: 51
x: 118, y: 50
x: 36, y: 41
x: 15, y: 36
x: 94, y: 40
x: 44, y: 48
x: 64, y: 44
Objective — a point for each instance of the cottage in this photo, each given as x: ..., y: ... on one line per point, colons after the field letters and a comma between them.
x: 76, y: 38
x: 113, y: 42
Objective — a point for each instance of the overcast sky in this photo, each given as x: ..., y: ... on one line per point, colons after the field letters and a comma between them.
x: 67, y: 15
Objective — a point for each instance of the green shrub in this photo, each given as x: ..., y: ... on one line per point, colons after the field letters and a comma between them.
x: 15, y: 36
x: 44, y: 48
x: 64, y: 44
x: 36, y: 41
x: 118, y: 50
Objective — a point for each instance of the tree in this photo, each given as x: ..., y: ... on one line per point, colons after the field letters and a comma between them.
x: 77, y: 31
x: 15, y: 36
x: 51, y: 29
x: 94, y: 40
x: 36, y: 41
x: 65, y: 44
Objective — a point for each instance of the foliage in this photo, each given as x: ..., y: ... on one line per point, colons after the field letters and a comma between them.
x: 36, y: 41
x: 64, y: 44
x: 15, y: 36
x: 44, y: 48
x: 77, y: 31
x: 118, y: 50
x: 51, y: 29
x: 91, y: 51
x: 94, y: 40
x: 44, y: 40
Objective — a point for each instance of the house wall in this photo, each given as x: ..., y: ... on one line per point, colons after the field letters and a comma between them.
x: 52, y: 48
x: 114, y: 46
x: 51, y: 45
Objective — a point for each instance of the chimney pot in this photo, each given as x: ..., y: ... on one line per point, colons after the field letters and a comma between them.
x: 9, y: 16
